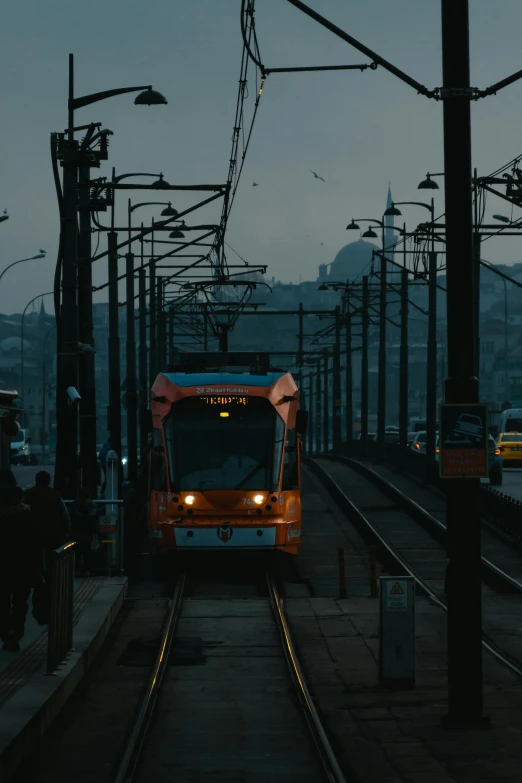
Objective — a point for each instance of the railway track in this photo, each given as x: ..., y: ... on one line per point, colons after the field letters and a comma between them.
x: 156, y: 748
x: 411, y: 541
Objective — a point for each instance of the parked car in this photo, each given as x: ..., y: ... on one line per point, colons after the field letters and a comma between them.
x: 510, y: 447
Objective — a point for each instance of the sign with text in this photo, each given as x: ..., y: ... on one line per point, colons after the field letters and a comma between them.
x: 463, y: 441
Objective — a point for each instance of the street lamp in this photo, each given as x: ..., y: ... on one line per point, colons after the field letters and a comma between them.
x: 66, y: 475
x: 22, y: 369
x: 429, y: 183
x: 41, y: 254
x: 431, y: 359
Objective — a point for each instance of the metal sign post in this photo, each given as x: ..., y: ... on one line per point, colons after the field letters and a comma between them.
x: 109, y: 527
x: 463, y: 441
x: 397, y: 630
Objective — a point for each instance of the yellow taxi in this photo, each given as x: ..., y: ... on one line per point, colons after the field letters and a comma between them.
x: 510, y: 445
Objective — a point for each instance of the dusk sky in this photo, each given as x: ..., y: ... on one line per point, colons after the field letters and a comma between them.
x: 357, y: 130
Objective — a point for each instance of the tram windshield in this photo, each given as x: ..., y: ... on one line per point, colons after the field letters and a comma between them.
x: 223, y: 442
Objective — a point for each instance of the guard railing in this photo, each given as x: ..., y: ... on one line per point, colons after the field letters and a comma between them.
x: 61, y: 598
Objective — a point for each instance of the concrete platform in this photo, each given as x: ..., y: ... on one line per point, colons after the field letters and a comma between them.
x: 383, y: 735
x: 394, y: 736
x: 30, y: 700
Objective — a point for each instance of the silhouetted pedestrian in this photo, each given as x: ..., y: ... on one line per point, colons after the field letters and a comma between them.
x: 50, y: 513
x: 21, y: 564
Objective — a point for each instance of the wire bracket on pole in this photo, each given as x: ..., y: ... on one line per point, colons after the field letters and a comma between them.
x: 443, y: 93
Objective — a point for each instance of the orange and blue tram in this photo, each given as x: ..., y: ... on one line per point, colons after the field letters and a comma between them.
x: 225, y: 455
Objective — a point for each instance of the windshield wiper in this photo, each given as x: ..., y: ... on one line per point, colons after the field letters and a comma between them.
x: 253, y: 472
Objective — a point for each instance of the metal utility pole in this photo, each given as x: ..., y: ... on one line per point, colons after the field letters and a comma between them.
x: 114, y: 424
x: 431, y: 363
x: 132, y: 381
x: 153, y: 315
x: 336, y: 386
x: 349, y: 376
x: 364, y: 359
x: 318, y: 407
x: 403, y: 361
x: 465, y: 694
x: 310, y: 409
x: 160, y: 320
x: 142, y: 331
x: 381, y: 394
x: 300, y: 338
x: 66, y: 471
x: 326, y: 423
x: 170, y: 337
x: 87, y: 370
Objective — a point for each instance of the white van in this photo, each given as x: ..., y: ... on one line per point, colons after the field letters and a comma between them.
x: 20, y: 448
x: 511, y: 420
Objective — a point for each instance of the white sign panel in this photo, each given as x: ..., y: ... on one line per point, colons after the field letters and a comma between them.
x: 396, y: 596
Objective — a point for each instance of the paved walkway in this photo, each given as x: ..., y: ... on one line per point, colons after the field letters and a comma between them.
x: 16, y: 668
x: 383, y: 735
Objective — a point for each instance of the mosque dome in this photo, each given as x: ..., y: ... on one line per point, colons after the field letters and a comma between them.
x: 352, y: 261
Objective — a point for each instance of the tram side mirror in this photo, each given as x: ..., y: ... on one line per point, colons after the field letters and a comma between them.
x: 145, y: 420
x: 301, y: 421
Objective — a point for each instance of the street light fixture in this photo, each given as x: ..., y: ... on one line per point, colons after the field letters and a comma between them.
x: 169, y: 211
x: 176, y: 234
x: 429, y: 183
x: 352, y: 226
x: 393, y: 211
x: 370, y: 233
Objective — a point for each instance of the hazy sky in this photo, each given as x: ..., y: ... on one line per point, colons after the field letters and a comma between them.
x: 357, y: 130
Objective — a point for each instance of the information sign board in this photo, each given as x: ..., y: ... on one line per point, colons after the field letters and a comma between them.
x: 463, y: 441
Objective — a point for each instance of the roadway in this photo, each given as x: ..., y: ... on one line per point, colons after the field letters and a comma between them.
x: 511, y: 483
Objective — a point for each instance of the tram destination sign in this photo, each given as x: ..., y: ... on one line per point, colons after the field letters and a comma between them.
x: 463, y: 441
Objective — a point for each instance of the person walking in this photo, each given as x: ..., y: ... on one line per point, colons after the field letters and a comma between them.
x: 50, y: 511
x: 21, y: 564
x: 84, y: 524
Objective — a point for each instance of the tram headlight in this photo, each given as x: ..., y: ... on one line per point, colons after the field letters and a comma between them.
x: 189, y: 500
x: 258, y: 499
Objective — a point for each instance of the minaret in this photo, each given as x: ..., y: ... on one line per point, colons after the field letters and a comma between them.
x: 389, y: 234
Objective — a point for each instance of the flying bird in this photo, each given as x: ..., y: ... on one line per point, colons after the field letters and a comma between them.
x: 5, y: 211
x: 42, y: 251
x: 316, y: 175
x: 255, y: 184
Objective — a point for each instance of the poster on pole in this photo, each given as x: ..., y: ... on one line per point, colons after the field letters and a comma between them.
x: 463, y: 441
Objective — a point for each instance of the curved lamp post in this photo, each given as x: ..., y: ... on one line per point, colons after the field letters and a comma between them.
x: 41, y: 254
x: 431, y: 359
x: 22, y: 378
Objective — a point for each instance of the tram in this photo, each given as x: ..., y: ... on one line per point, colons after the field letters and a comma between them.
x: 225, y: 454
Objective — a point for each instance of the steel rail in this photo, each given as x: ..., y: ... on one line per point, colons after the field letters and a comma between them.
x: 328, y: 759
x: 433, y: 526
x: 388, y: 553
x: 129, y: 761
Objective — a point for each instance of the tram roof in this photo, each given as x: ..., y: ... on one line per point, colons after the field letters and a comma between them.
x: 228, y: 379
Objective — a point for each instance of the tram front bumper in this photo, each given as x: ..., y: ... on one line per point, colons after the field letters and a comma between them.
x: 225, y: 535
